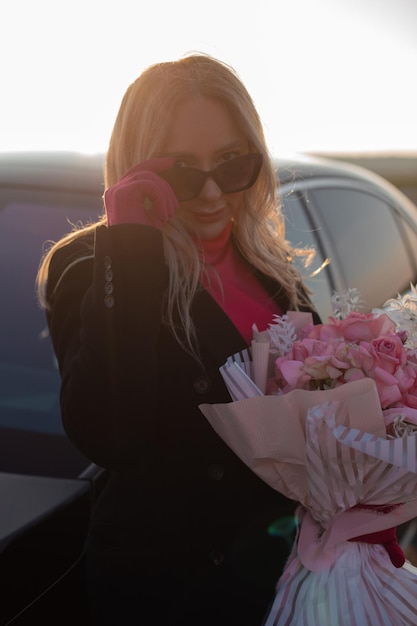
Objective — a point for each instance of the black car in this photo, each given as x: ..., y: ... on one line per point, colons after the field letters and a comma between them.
x: 364, y: 231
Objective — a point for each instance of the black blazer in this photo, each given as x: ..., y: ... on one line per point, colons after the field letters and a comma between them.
x: 178, y: 498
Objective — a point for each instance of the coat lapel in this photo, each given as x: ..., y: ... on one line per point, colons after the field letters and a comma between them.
x: 215, y: 330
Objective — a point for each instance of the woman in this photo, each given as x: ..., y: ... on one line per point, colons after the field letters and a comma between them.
x: 143, y: 308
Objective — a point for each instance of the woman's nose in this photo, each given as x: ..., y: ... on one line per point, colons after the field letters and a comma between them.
x: 210, y: 189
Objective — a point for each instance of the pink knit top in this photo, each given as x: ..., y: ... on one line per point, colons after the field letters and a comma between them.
x: 240, y: 295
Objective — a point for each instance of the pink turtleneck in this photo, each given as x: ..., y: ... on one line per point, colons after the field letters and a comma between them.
x: 242, y: 298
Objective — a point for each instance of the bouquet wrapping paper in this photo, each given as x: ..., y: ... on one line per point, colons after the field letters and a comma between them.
x: 328, y: 450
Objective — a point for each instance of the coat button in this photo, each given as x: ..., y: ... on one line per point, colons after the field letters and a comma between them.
x: 108, y: 275
x: 216, y: 472
x: 202, y: 384
x: 216, y: 556
x: 108, y: 288
x: 109, y: 301
x: 107, y: 262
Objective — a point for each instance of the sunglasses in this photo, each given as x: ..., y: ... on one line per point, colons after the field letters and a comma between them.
x: 231, y: 176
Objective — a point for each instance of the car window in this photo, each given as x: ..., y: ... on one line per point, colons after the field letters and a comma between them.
x: 409, y: 233
x: 376, y: 258
x: 303, y: 233
x: 29, y: 379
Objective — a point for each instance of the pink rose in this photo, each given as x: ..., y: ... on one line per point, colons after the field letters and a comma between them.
x: 307, y: 359
x: 358, y: 356
x: 412, y: 357
x: 390, y: 352
x: 406, y: 379
x: 290, y: 375
x: 387, y: 386
x: 409, y: 386
x: 355, y: 327
x: 410, y: 400
x: 353, y: 374
x: 365, y: 326
x: 321, y: 367
x: 321, y: 332
x: 299, y: 351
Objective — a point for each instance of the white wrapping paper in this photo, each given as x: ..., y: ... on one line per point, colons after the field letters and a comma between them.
x: 364, y: 588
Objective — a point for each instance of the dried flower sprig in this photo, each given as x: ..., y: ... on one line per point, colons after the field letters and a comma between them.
x: 346, y: 302
x: 282, y: 335
x: 403, y: 311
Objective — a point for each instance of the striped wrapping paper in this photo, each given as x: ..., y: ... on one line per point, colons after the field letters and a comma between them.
x: 328, y: 451
x: 362, y: 588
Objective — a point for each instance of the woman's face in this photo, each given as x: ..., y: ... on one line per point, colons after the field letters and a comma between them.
x: 203, y: 135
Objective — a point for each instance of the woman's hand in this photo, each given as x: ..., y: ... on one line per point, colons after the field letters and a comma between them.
x: 141, y: 196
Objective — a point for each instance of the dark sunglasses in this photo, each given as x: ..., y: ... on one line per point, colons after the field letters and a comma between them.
x: 231, y: 176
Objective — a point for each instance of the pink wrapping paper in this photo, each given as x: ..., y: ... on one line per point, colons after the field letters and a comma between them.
x: 307, y: 445
x: 328, y: 451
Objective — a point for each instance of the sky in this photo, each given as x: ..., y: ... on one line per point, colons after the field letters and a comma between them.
x: 325, y: 75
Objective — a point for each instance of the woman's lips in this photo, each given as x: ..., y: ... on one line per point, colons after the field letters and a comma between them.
x: 208, y: 216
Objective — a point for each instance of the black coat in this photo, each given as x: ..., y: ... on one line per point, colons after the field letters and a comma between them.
x: 196, y: 535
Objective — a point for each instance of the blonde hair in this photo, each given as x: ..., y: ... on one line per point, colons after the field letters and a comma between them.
x: 141, y: 127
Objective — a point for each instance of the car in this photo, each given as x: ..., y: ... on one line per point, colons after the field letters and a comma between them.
x: 363, y: 226
x: 364, y: 232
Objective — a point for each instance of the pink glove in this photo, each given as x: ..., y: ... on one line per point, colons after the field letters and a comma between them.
x: 141, y: 196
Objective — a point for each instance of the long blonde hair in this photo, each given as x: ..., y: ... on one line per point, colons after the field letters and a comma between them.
x: 140, y: 129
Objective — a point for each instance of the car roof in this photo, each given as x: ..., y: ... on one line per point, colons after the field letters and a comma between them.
x: 304, y: 169
x: 78, y: 172
x: 61, y: 170
x: 65, y: 166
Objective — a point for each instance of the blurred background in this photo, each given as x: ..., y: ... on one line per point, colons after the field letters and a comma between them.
x: 334, y: 78
x: 331, y: 77
x: 328, y: 75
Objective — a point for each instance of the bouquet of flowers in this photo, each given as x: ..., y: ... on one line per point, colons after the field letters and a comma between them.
x: 327, y: 415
